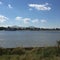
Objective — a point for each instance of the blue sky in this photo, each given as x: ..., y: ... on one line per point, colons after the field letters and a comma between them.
x: 39, y: 13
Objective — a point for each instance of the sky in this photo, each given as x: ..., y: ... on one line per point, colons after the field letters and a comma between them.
x: 38, y: 13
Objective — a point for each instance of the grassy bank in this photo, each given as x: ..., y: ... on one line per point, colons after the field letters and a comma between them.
x: 37, y: 53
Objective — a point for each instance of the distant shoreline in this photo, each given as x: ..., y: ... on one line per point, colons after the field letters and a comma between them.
x: 28, y: 28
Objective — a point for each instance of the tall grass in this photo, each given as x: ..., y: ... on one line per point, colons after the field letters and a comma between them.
x: 37, y: 53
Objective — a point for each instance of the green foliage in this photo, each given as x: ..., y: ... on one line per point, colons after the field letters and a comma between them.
x: 18, y: 51
x: 42, y: 53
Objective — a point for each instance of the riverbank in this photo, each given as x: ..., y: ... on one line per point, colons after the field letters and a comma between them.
x: 28, y: 28
x: 37, y: 53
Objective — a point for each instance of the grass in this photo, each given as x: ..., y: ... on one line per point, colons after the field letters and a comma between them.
x: 38, y: 53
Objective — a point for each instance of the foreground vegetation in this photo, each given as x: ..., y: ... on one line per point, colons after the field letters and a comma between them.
x: 37, y: 53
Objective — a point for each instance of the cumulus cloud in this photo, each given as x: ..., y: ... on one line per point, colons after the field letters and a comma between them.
x: 18, y: 18
x: 35, y: 21
x: 29, y: 20
x: 9, y: 6
x: 3, y: 18
x: 43, y: 21
x: 26, y: 20
x: 1, y: 3
x: 40, y: 6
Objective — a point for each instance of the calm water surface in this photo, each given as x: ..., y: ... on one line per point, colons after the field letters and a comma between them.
x: 28, y: 38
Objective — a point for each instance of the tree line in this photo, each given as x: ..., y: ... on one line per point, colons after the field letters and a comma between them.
x: 26, y: 28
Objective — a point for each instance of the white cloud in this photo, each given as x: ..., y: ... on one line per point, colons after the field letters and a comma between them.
x: 40, y: 6
x: 18, y: 18
x: 43, y: 21
x: 9, y: 6
x: 26, y: 20
x: 3, y: 18
x: 29, y: 20
x: 35, y: 21
x: 1, y: 3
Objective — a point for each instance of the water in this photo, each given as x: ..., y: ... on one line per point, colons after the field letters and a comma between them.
x: 28, y: 38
